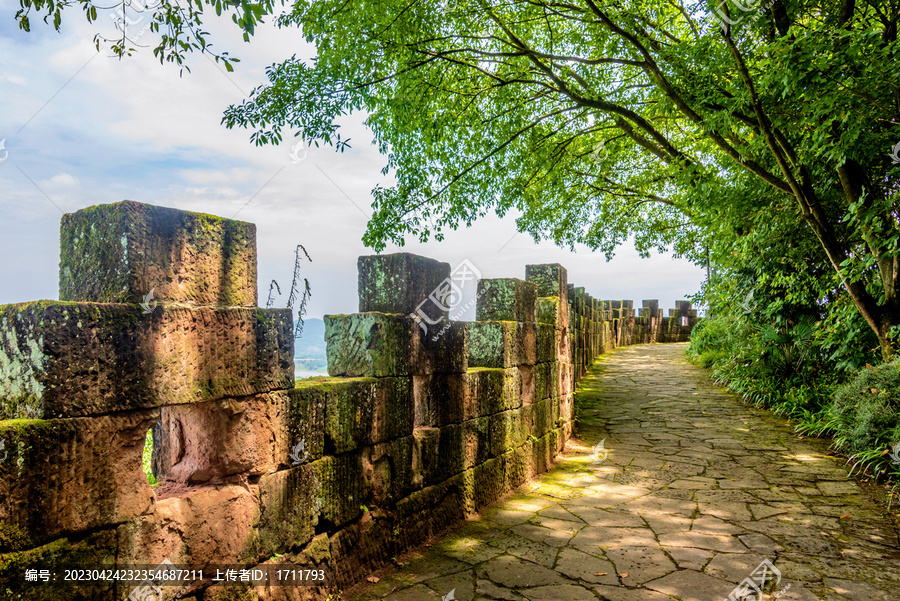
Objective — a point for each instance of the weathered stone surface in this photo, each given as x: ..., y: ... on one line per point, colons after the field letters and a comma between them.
x: 650, y: 308
x: 548, y: 310
x: 406, y: 283
x: 550, y: 280
x: 426, y: 458
x: 385, y: 344
x: 507, y: 431
x: 506, y: 299
x: 492, y: 390
x: 288, y: 511
x: 118, y: 253
x: 476, y: 435
x: 546, y: 343
x: 393, y: 470
x: 538, y: 417
x: 203, y: 526
x: 76, y: 359
x: 210, y: 441
x: 546, y: 380
x: 343, y: 486
x: 579, y: 300
x: 302, y: 411
x: 70, y: 475
x: 365, y: 411
x: 430, y: 510
x: 371, y: 344
x: 493, y: 344
x: 440, y: 399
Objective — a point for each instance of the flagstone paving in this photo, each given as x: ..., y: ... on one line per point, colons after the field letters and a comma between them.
x: 696, y: 491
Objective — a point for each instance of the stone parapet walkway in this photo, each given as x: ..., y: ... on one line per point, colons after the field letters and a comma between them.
x: 688, y: 494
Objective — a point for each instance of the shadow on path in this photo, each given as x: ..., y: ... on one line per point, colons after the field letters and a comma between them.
x: 688, y: 494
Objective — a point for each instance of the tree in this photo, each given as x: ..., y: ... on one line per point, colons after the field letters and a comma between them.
x: 648, y: 118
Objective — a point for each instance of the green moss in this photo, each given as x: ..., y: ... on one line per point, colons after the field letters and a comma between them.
x: 13, y: 538
x: 319, y: 549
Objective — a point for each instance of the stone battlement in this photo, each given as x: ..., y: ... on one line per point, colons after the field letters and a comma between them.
x: 423, y: 420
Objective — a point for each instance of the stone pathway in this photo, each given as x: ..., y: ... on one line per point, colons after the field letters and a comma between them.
x: 695, y: 492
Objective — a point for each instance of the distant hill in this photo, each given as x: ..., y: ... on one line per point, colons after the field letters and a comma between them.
x: 309, y: 350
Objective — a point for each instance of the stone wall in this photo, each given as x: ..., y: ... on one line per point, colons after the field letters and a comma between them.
x: 422, y: 423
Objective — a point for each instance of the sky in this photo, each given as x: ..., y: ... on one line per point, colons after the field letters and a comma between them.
x: 83, y: 128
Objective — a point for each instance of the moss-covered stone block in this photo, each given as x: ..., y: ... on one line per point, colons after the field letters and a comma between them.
x: 443, y: 351
x: 370, y: 344
x: 342, y: 488
x: 72, y: 475
x: 431, y: 510
x: 303, y: 419
x: 440, y: 399
x: 426, y: 455
x: 490, y: 482
x: 493, y: 344
x: 547, y: 342
x: 406, y: 283
x: 492, y: 390
x: 364, y: 411
x: 73, y: 359
x: 392, y: 470
x: 476, y: 435
x: 287, y: 511
x: 579, y: 300
x: 546, y: 380
x: 96, y: 550
x: 385, y: 344
x: 123, y: 252
x: 506, y: 299
x: 452, y: 453
x: 548, y: 310
x: 538, y: 417
x: 551, y: 279
x: 507, y: 431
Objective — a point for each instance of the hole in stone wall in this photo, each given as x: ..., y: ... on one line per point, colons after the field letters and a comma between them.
x: 147, y: 459
x: 683, y: 320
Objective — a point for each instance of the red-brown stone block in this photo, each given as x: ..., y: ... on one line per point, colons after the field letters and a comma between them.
x: 75, y: 359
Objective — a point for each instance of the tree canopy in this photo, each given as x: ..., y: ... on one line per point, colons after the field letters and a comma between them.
x: 705, y: 128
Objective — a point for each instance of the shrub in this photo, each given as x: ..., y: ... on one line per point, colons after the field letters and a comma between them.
x: 867, y: 409
x: 709, y: 359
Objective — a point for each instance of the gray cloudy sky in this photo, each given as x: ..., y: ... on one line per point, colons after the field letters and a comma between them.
x: 83, y: 128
